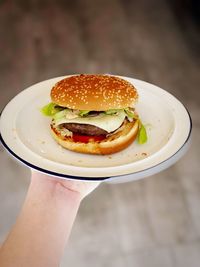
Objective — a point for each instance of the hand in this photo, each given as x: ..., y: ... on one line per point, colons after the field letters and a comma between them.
x: 76, y: 186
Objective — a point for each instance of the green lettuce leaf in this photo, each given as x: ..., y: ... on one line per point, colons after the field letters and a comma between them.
x: 142, y: 134
x: 51, y: 109
x: 83, y: 113
x: 130, y: 113
x: 111, y: 111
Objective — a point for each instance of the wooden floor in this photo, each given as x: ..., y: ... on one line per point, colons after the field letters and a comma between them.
x: 149, y: 223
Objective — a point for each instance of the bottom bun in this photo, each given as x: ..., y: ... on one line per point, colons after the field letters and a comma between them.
x: 112, y: 144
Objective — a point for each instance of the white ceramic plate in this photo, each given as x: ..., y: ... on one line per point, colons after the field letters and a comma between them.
x: 25, y: 134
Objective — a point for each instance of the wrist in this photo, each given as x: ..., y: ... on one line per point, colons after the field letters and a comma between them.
x: 53, y: 188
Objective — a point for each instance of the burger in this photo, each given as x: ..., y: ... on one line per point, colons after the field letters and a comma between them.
x: 94, y: 114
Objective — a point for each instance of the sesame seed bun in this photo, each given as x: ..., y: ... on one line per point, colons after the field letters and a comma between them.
x: 112, y: 144
x: 94, y: 92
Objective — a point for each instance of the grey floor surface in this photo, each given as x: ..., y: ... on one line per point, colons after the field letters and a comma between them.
x: 148, y: 223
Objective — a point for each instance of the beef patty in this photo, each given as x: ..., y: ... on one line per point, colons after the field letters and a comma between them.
x: 85, y: 129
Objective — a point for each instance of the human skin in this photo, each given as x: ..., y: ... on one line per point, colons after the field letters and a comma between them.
x: 44, y: 224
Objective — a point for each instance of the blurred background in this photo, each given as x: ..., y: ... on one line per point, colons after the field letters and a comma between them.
x: 147, y: 223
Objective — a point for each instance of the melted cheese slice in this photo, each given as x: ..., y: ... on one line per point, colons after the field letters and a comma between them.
x: 108, y: 123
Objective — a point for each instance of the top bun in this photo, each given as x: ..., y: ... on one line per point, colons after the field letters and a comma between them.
x: 94, y: 92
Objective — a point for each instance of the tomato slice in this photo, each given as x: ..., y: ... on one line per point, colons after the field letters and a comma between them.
x: 99, y: 137
x: 87, y: 138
